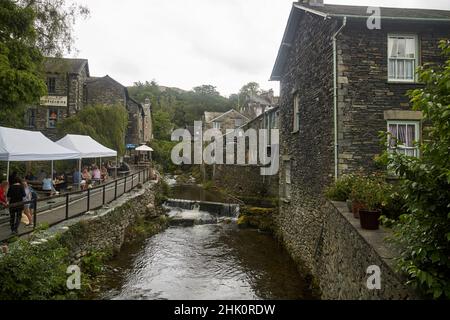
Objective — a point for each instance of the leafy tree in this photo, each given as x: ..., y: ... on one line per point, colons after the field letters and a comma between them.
x: 206, y: 89
x: 30, y: 29
x: 162, y: 125
x: 106, y: 124
x: 54, y: 21
x: 424, y: 233
x: 20, y: 76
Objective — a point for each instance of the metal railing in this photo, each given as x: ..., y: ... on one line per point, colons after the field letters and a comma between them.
x: 56, y: 209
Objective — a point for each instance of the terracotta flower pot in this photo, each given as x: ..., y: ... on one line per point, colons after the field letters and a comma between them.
x: 356, y: 207
x: 369, y: 219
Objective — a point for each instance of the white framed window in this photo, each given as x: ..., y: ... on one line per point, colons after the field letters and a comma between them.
x: 403, y: 137
x: 238, y: 123
x: 287, y: 179
x: 296, y: 125
x: 403, y: 57
x: 216, y: 125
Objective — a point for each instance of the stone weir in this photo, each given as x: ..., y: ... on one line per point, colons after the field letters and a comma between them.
x: 191, y: 212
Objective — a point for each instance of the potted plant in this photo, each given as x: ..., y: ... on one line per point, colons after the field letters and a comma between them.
x: 357, y: 195
x: 341, y: 189
x: 373, y: 197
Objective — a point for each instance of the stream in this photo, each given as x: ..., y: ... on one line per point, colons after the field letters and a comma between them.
x: 211, y: 260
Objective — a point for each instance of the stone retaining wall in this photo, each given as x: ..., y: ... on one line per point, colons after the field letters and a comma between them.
x: 105, y: 229
x: 329, y: 243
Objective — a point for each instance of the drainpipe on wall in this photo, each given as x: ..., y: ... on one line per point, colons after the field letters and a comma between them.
x: 335, y: 109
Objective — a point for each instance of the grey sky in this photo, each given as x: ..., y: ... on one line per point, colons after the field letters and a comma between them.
x: 184, y: 43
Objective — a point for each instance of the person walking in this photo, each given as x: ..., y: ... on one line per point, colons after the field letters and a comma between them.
x: 27, y: 207
x: 16, y: 193
x: 3, y: 191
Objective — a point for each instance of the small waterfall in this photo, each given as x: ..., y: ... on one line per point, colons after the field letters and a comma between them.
x: 191, y: 212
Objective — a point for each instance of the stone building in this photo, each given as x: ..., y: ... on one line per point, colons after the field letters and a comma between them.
x: 255, y: 185
x: 258, y: 104
x: 71, y: 87
x: 341, y: 83
x: 231, y: 119
x: 337, y: 95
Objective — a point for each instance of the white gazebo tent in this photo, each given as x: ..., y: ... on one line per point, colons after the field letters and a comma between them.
x: 86, y: 147
x: 21, y: 145
x: 144, y: 148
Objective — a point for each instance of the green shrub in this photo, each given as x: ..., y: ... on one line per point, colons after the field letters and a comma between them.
x: 341, y: 189
x: 34, y: 272
x: 372, y: 192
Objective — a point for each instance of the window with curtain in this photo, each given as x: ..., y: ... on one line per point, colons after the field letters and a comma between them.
x: 403, y: 137
x: 402, y: 57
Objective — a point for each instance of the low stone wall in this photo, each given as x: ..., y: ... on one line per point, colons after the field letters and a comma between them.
x: 329, y: 243
x: 105, y: 229
x: 245, y: 181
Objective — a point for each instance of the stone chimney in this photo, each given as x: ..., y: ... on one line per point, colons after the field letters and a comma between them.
x: 317, y: 3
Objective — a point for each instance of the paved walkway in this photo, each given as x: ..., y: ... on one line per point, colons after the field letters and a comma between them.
x: 54, y: 210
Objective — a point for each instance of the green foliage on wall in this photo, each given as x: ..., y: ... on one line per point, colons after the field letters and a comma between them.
x: 424, y: 233
x: 105, y: 124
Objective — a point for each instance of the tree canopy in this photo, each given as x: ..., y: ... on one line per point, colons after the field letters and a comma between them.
x: 20, y: 76
x: 29, y: 30
x: 105, y: 124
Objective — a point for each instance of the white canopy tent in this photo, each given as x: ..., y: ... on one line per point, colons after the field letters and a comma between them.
x: 144, y: 148
x: 86, y: 147
x: 22, y: 145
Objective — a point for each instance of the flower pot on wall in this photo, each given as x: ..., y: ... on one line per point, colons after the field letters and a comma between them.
x: 369, y: 219
x: 356, y: 207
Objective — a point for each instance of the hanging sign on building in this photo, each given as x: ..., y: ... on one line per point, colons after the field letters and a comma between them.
x: 54, y: 101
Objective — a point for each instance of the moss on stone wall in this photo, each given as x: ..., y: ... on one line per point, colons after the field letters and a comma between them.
x: 255, y: 217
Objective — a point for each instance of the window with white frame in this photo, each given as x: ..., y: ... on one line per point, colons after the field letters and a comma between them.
x: 216, y: 125
x: 403, y: 136
x: 296, y: 126
x: 287, y: 179
x: 403, y: 57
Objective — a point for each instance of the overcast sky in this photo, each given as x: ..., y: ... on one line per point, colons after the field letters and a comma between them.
x: 185, y: 43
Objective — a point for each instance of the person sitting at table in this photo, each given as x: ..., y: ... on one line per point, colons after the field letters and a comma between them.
x: 76, y: 176
x: 96, y: 174
x: 104, y: 173
x: 30, y: 176
x: 47, y: 186
x: 42, y: 175
x: 86, y: 175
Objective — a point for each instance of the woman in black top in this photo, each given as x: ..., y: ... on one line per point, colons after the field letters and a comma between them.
x: 16, y: 193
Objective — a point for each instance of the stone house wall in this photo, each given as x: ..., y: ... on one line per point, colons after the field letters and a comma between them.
x: 227, y: 121
x: 364, y: 93
x: 105, y: 91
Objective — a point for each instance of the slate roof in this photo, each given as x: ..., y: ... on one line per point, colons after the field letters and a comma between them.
x: 333, y: 10
x: 213, y: 116
x: 65, y: 65
x: 404, y: 15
